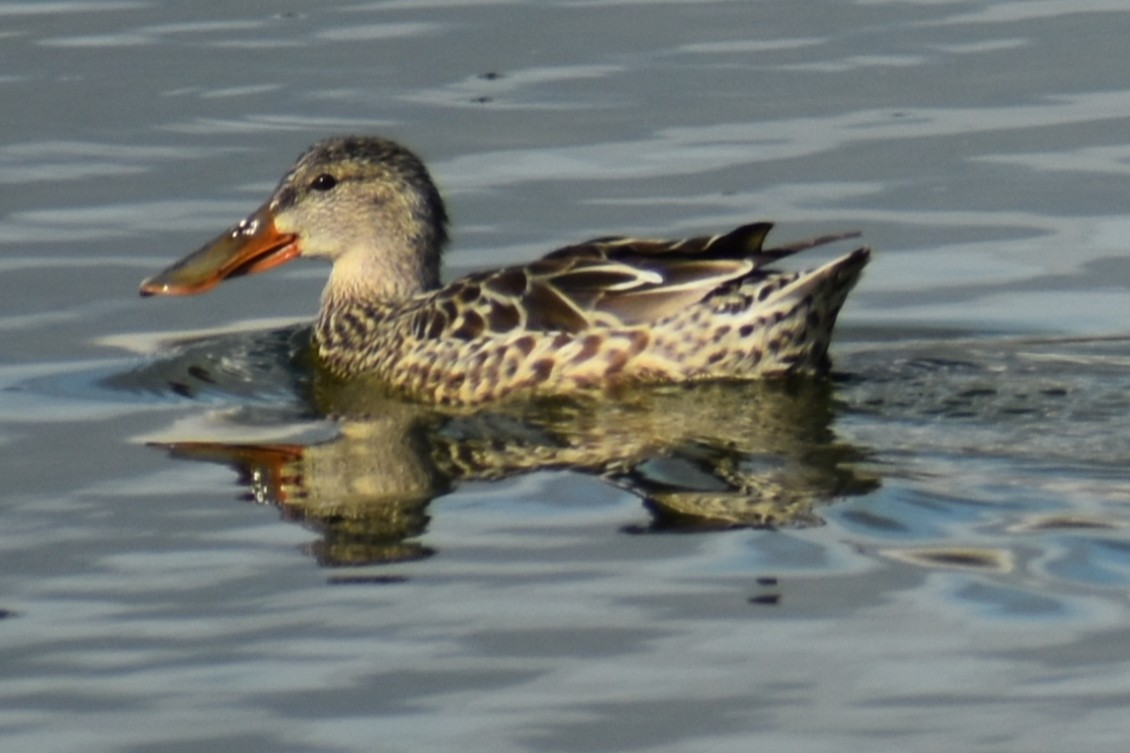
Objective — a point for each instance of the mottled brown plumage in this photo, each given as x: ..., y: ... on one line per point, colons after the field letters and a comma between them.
x: 601, y: 313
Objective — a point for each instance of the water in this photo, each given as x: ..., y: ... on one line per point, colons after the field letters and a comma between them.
x: 185, y: 565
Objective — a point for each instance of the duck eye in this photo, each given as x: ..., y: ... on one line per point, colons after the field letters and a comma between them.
x: 323, y: 182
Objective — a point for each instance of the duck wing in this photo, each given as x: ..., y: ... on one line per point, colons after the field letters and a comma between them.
x: 602, y: 283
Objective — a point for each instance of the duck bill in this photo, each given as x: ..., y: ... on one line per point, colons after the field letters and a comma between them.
x: 252, y: 245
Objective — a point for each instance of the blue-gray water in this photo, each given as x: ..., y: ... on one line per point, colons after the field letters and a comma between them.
x: 952, y: 564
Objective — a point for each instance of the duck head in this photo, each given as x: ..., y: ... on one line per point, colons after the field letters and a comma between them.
x: 365, y: 203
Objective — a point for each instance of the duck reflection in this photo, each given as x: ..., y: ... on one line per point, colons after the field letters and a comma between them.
x: 700, y: 457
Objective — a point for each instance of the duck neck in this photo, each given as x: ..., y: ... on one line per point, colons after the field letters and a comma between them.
x: 380, y: 276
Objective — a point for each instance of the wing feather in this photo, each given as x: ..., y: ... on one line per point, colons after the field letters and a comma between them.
x: 602, y: 282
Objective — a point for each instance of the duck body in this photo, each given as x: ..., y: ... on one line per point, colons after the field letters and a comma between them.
x: 596, y: 315
x: 599, y: 314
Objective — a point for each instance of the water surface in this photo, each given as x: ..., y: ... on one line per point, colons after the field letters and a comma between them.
x: 927, y: 552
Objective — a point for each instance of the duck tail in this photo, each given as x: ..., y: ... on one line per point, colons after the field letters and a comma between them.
x: 823, y: 291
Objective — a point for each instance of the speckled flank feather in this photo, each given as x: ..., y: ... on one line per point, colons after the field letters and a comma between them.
x: 597, y: 314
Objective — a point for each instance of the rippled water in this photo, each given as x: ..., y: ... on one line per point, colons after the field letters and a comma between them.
x: 928, y: 552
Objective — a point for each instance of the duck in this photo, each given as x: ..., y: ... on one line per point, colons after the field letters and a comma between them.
x: 597, y: 315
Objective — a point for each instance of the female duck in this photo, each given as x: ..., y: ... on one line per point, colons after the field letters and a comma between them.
x: 605, y: 312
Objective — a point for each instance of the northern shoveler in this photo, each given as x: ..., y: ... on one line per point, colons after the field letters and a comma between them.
x: 600, y: 313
